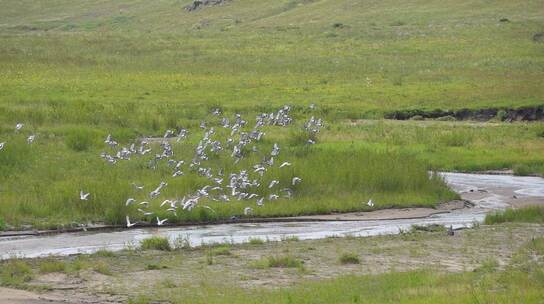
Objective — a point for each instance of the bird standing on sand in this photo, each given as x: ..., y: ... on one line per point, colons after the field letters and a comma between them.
x: 450, y: 231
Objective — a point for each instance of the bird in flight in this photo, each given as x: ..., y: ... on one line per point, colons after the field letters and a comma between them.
x: 84, y: 196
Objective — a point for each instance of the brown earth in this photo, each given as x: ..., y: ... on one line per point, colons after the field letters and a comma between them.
x: 148, y: 272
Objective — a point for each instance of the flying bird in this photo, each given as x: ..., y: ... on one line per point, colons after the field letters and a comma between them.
x: 129, y: 224
x: 161, y: 222
x: 138, y: 187
x: 273, y: 183
x: 84, y: 196
x: 285, y: 164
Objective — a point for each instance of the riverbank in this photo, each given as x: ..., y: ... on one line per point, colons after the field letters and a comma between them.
x: 245, y: 271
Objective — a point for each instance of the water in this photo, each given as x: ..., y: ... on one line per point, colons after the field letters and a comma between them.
x: 489, y: 193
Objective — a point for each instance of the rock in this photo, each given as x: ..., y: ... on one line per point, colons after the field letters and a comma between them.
x: 198, y: 4
x: 504, y: 20
x: 538, y: 37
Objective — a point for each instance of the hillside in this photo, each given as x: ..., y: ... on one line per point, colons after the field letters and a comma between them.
x: 360, y: 58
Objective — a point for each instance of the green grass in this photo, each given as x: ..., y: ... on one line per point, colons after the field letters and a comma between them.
x: 255, y: 241
x: 15, y: 273
x: 349, y: 258
x: 75, y: 72
x: 521, y: 281
x: 2, y: 225
x: 335, y: 178
x: 532, y: 214
x: 286, y: 261
x: 48, y: 266
x: 155, y: 243
x: 102, y: 268
x: 220, y: 250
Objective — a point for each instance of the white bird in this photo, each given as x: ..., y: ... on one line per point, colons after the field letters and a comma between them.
x: 273, y: 197
x: 370, y: 203
x: 30, y: 139
x: 19, y: 126
x: 145, y: 204
x: 161, y: 222
x: 311, y: 142
x: 177, y: 173
x: 285, y: 164
x: 138, y: 187
x: 166, y: 202
x: 84, y: 196
x: 260, y: 202
x: 248, y: 211
x: 129, y: 224
x: 2, y: 144
x: 157, y: 192
x: 130, y: 201
x: 273, y: 183
x: 145, y: 213
x: 296, y: 180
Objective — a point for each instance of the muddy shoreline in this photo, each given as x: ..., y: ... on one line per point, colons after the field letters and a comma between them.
x: 381, y: 214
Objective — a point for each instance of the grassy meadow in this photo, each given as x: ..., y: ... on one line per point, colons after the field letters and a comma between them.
x: 74, y: 72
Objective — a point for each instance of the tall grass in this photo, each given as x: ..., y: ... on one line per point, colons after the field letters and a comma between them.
x: 334, y: 179
x: 91, y: 74
x: 532, y: 214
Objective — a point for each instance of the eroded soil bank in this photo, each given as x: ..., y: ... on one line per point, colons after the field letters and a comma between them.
x: 535, y: 113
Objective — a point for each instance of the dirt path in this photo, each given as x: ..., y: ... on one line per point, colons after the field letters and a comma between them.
x: 15, y: 296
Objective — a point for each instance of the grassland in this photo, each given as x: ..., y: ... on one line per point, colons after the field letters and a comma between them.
x: 489, y: 264
x: 531, y: 214
x: 74, y: 72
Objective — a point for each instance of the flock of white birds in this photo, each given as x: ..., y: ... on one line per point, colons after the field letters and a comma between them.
x: 240, y: 142
x: 223, y: 187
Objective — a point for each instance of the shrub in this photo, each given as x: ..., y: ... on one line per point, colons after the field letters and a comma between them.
x: 81, y: 139
x: 154, y: 267
x: 156, y: 243
x: 502, y: 115
x: 349, y: 258
x: 104, y: 253
x: 102, y: 268
x: 52, y: 266
x: 15, y: 273
x: 221, y: 250
x: 279, y: 262
x: 255, y: 241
